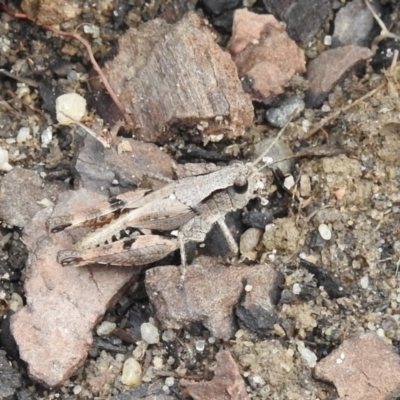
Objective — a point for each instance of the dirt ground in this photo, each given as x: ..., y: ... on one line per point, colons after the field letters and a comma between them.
x: 354, y: 194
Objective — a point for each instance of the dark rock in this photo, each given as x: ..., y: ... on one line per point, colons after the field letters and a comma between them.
x: 223, y: 23
x: 278, y: 117
x: 304, y: 18
x: 10, y: 379
x: 384, y: 54
x: 325, y: 278
x: 49, y: 93
x: 325, y: 71
x: 219, y: 6
x: 353, y: 25
x: 258, y: 219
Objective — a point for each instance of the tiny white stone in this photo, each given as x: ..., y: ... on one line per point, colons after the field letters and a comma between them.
x: 149, y: 333
x: 105, y: 328
x: 70, y: 107
x: 23, y: 135
x: 248, y: 288
x: 296, y: 289
x: 325, y: 232
x: 289, y: 182
x: 131, y: 373
x: 77, y: 389
x: 200, y: 345
x: 46, y: 136
x: 364, y: 282
x: 380, y: 332
x: 168, y: 335
x: 4, y: 165
x: 307, y: 354
x: 158, y: 363
x: 170, y: 381
x: 328, y: 40
x: 16, y: 302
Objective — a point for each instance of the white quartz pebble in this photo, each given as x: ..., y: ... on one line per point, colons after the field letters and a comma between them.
x: 131, y: 373
x: 4, y: 165
x: 325, y: 232
x: 70, y: 107
x: 105, y: 328
x: 23, y: 135
x: 149, y: 333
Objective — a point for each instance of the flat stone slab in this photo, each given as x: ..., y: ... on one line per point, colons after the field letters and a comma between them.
x: 362, y: 367
x: 54, y: 330
x: 210, y: 293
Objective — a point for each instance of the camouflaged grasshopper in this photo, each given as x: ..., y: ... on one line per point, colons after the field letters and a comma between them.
x: 190, y: 205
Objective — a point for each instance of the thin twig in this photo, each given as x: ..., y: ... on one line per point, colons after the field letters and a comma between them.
x: 88, y: 47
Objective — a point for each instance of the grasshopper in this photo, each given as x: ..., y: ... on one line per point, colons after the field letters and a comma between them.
x: 191, y: 205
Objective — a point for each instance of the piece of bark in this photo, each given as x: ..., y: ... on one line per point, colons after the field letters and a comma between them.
x: 362, y: 367
x: 209, y: 294
x: 227, y: 383
x: 174, y: 78
x: 325, y: 71
x: 264, y: 54
x: 20, y: 192
x: 54, y: 330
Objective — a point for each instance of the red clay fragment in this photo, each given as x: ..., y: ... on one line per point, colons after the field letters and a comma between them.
x: 362, y: 368
x: 264, y: 54
x: 175, y: 77
x: 54, y: 330
x: 226, y: 385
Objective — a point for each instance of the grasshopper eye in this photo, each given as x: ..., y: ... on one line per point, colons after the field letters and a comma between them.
x: 241, y: 185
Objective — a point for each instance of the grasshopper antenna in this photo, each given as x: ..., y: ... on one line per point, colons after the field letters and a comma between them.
x: 262, y: 155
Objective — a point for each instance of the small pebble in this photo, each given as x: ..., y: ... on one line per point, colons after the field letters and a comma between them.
x: 307, y: 354
x: 168, y: 335
x: 105, y: 328
x: 150, y: 333
x: 250, y: 239
x: 16, y: 302
x: 200, y: 345
x: 158, y: 363
x: 4, y: 165
x: 296, y: 289
x: 46, y: 136
x: 248, y: 288
x: 131, y: 373
x: 70, y: 107
x: 77, y: 389
x: 289, y: 182
x: 325, y: 232
x: 23, y: 135
x: 170, y: 381
x: 364, y: 282
x: 278, y: 117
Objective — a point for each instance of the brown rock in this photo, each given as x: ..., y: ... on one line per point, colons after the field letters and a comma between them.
x: 362, y: 368
x: 264, y: 54
x: 209, y: 294
x: 51, y: 12
x: 174, y: 77
x: 53, y: 331
x: 325, y: 71
x: 303, y: 18
x: 20, y: 192
x: 227, y: 383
